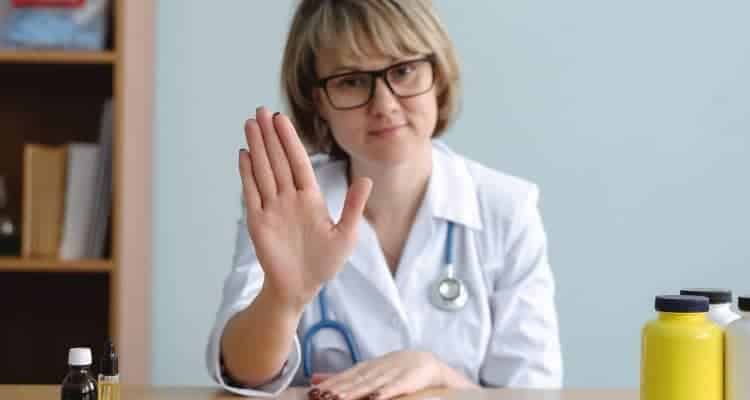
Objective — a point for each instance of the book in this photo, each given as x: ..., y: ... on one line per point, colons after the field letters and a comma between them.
x: 43, y: 200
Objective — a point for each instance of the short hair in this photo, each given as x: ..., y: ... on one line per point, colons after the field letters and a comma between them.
x: 396, y: 28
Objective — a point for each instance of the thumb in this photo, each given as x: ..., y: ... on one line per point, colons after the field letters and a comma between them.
x: 356, y: 198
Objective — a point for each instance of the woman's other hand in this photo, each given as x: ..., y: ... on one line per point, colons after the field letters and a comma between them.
x: 395, y: 374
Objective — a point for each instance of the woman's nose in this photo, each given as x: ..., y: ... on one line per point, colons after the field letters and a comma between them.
x: 383, y: 99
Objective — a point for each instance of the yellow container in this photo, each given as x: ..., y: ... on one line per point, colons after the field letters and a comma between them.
x: 682, y: 352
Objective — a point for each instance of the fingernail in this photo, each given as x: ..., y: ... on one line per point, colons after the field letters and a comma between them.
x: 276, y: 113
x: 314, y: 392
x: 326, y: 395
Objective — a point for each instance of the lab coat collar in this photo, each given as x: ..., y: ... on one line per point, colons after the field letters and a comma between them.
x: 452, y: 192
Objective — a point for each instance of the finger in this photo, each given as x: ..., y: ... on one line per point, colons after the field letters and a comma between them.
x: 367, y: 387
x: 394, y: 387
x: 261, y: 166
x: 354, y: 205
x: 336, y: 380
x: 249, y: 188
x: 302, y: 171
x: 276, y: 155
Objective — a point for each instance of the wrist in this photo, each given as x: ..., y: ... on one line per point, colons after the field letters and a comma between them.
x: 450, y: 378
x: 283, y: 304
x: 440, y: 370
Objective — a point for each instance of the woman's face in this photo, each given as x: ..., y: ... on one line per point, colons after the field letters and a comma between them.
x: 388, y: 130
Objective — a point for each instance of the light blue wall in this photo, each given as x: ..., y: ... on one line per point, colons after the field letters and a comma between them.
x: 632, y: 117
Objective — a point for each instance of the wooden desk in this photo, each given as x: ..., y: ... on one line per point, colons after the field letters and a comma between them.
x: 31, y: 392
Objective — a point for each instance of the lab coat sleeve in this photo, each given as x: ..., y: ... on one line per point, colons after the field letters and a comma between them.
x: 240, y: 289
x: 524, y: 350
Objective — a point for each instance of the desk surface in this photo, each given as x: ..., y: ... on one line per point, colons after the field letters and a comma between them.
x: 52, y: 392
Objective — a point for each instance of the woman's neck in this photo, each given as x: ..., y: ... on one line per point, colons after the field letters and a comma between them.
x: 397, y: 191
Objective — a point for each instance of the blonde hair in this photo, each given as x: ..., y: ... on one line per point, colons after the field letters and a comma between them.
x: 395, y: 28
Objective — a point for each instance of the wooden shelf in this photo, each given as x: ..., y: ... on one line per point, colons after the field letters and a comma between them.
x: 49, y: 265
x: 57, y: 57
x: 55, y: 97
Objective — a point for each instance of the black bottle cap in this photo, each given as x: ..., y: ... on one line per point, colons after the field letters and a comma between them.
x: 743, y: 303
x: 715, y: 296
x: 681, y: 304
x: 109, y: 360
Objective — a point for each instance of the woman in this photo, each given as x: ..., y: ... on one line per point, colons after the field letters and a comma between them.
x: 363, y: 237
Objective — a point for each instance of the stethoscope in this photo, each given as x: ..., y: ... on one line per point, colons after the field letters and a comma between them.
x: 448, y: 293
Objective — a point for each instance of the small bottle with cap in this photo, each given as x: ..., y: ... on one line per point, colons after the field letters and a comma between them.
x: 737, y: 354
x: 78, y: 383
x: 682, y: 352
x: 109, y: 378
x: 720, y: 304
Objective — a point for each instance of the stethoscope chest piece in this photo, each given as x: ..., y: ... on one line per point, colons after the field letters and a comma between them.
x: 449, y: 293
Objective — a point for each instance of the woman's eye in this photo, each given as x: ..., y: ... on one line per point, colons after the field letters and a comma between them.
x: 404, y: 70
x: 352, y: 82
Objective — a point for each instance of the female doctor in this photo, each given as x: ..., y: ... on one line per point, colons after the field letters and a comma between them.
x: 392, y: 264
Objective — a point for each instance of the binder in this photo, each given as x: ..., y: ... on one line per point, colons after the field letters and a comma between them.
x: 43, y: 200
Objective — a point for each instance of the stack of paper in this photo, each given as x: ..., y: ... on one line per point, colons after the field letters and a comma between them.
x: 79, y: 200
x: 102, y: 186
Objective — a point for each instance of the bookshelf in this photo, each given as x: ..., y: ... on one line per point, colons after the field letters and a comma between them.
x: 57, y: 57
x: 18, y: 264
x: 48, y: 305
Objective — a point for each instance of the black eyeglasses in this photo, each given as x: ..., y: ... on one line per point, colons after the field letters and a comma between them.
x: 355, y: 89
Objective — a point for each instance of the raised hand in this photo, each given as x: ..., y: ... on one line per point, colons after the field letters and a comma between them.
x: 297, y: 243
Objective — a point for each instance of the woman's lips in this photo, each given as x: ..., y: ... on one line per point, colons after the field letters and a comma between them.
x: 387, y: 131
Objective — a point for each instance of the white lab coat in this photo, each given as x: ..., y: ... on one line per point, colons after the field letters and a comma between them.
x: 505, y: 336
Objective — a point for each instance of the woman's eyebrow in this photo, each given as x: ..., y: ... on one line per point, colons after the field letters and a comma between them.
x: 347, y: 67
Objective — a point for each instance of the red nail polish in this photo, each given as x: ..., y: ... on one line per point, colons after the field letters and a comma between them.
x: 326, y: 395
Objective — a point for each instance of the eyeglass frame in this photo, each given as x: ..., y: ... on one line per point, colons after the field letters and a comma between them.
x: 375, y: 74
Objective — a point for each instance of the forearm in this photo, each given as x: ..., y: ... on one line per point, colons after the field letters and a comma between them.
x: 257, y: 341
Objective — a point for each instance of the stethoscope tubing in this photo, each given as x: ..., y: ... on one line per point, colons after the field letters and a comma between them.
x: 327, y: 323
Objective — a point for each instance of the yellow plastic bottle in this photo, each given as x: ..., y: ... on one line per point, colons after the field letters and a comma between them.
x: 682, y: 352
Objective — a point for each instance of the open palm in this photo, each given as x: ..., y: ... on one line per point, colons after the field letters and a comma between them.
x: 297, y: 243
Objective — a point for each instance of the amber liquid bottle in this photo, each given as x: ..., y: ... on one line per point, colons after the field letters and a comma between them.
x: 109, y: 377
